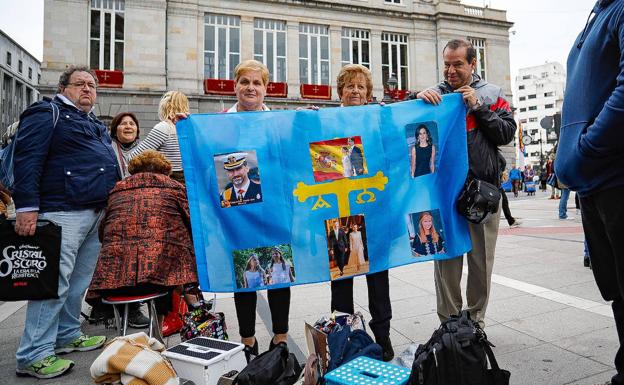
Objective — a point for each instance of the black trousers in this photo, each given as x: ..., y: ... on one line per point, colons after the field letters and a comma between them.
x: 279, y: 303
x: 603, y: 223
x: 506, y: 211
x: 378, y: 301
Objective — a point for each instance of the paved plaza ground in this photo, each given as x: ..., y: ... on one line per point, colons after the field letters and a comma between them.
x: 546, y: 317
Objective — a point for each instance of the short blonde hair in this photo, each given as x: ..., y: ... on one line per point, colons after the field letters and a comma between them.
x: 251, y: 65
x: 350, y: 72
x: 150, y: 161
x: 172, y: 103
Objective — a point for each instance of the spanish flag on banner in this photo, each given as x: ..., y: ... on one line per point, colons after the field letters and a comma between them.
x: 337, y: 158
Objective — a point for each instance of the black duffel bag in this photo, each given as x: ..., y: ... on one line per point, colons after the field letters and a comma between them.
x: 457, y: 354
x: 274, y: 367
x: 29, y: 266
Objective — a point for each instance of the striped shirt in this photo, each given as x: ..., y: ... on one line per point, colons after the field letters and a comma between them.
x: 164, y: 139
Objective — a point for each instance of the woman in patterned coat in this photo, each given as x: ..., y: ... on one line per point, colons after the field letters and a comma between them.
x: 146, y: 234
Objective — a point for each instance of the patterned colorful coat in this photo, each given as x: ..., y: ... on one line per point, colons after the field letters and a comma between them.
x: 146, y: 235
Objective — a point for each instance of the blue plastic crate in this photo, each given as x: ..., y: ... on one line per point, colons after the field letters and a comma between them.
x: 366, y: 371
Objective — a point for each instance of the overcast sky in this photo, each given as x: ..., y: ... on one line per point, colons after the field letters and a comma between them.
x: 544, y: 30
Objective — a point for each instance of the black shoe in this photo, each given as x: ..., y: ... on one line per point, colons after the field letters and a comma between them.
x: 100, y: 313
x: 387, y: 353
x: 137, y: 320
x: 251, y: 351
x: 586, y: 261
x: 273, y: 345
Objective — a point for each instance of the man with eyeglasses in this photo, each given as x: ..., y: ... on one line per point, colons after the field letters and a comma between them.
x: 64, y: 168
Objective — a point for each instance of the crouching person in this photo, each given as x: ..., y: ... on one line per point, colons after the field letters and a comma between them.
x: 63, y: 172
x: 146, y: 236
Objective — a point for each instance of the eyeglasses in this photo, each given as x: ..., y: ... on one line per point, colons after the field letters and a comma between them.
x: 90, y: 85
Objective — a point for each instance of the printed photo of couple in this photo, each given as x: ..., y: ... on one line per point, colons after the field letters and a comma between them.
x: 426, y: 233
x: 422, y: 142
x: 263, y: 266
x: 338, y: 158
x: 346, y: 246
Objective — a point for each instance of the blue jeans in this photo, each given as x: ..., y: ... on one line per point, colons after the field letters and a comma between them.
x: 55, y: 322
x: 563, y: 203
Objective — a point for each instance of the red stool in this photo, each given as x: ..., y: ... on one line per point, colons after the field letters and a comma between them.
x: 126, y: 300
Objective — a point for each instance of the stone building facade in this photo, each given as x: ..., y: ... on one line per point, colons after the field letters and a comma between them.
x: 160, y: 45
x: 19, y: 73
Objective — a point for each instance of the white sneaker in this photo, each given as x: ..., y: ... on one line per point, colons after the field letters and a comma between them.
x: 516, y: 223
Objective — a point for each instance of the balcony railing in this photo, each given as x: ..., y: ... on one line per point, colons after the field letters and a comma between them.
x: 473, y: 11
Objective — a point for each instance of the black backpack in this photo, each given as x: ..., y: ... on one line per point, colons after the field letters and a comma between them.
x: 273, y: 367
x: 457, y: 354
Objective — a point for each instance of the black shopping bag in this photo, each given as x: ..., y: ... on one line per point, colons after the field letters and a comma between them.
x: 29, y: 266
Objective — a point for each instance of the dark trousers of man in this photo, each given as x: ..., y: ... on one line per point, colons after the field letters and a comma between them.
x: 603, y: 223
x: 506, y: 211
x: 279, y: 303
x: 378, y: 301
x: 340, y: 256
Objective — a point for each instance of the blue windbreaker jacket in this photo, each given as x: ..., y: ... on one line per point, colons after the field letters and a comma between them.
x: 590, y: 155
x: 71, y: 167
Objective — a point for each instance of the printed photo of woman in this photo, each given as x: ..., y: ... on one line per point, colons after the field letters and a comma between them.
x: 254, y: 274
x: 422, y: 159
x: 427, y: 241
x: 356, y: 256
x: 281, y: 270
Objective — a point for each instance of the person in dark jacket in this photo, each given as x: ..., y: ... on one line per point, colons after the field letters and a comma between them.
x: 63, y: 173
x: 589, y: 157
x: 490, y: 124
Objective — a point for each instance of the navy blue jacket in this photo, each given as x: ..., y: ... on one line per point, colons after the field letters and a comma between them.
x: 590, y: 155
x: 71, y: 167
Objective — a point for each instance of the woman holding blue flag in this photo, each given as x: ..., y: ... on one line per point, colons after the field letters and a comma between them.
x: 252, y: 79
x: 355, y: 88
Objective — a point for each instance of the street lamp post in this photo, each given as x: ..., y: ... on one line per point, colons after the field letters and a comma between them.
x: 390, y: 94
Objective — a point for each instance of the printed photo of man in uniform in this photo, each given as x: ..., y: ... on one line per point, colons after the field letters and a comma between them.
x: 242, y: 188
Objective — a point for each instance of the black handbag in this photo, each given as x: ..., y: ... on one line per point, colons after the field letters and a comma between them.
x: 478, y: 200
x: 273, y: 367
x: 29, y: 266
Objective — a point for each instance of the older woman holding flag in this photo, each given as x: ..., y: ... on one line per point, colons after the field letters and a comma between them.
x: 252, y: 79
x: 355, y: 88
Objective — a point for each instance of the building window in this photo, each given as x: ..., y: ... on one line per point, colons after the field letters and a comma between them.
x: 533, y: 96
x: 20, y: 66
x: 523, y: 121
x: 106, y: 43
x: 221, y: 45
x: 532, y: 120
x: 522, y: 98
x: 393, y: 1
x: 549, y: 106
x: 544, y: 74
x: 521, y: 87
x: 532, y: 108
x: 525, y: 77
x: 394, y: 58
x: 551, y: 93
x: 356, y: 47
x: 30, y: 73
x: 523, y: 110
x: 8, y: 61
x: 270, y: 46
x: 479, y: 45
x: 313, y: 54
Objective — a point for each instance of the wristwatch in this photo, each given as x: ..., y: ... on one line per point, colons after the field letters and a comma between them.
x: 476, y: 106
